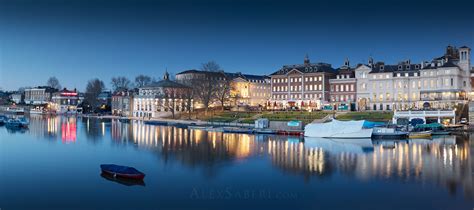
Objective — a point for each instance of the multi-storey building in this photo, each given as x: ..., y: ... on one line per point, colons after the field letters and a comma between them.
x: 252, y: 90
x: 122, y: 103
x: 301, y: 86
x: 66, y: 102
x: 161, y: 99
x: 441, y: 83
x: 343, y: 89
x: 39, y: 95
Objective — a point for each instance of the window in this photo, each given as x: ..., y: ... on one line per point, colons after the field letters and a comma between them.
x: 452, y: 82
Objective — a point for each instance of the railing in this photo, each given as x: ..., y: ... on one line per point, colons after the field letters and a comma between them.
x: 450, y: 113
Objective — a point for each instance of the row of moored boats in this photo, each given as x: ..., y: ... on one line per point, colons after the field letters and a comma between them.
x: 18, y: 122
x: 361, y: 129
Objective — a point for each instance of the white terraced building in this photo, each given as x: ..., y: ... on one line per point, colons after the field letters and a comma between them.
x: 442, y: 83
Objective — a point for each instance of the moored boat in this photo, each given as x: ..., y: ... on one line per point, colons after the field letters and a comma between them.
x: 265, y: 131
x: 23, y: 122
x: 13, y: 123
x: 388, y: 133
x: 435, y: 128
x: 124, y: 120
x: 420, y: 135
x: 338, y: 129
x: 122, y: 171
x: 237, y: 130
x: 3, y: 119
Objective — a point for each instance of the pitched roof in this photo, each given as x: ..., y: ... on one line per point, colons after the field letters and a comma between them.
x: 166, y: 84
x: 306, y: 68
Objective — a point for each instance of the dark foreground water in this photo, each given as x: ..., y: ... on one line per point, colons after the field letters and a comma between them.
x: 55, y: 165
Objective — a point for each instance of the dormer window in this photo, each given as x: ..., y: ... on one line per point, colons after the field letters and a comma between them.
x: 417, y: 67
x: 400, y: 67
x: 381, y: 68
x: 408, y: 67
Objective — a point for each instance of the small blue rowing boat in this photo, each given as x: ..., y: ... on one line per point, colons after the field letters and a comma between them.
x: 122, y: 171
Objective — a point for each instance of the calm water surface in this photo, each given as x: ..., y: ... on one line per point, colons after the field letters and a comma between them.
x: 55, y: 164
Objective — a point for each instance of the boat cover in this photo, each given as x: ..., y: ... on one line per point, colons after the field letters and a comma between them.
x: 333, y: 128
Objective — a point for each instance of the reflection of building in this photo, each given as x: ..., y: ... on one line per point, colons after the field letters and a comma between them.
x: 441, y: 83
x: 303, y: 86
x: 66, y: 102
x: 161, y: 99
x: 68, y: 129
x: 39, y: 95
x: 122, y: 103
x: 343, y: 89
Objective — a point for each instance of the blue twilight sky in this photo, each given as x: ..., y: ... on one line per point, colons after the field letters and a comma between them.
x: 79, y: 40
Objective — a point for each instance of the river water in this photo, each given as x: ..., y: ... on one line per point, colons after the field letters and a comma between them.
x: 55, y: 165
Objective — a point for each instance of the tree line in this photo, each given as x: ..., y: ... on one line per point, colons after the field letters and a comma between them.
x: 204, y: 90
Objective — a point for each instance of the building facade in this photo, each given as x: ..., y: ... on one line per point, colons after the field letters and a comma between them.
x: 343, y: 89
x: 440, y: 84
x: 302, y: 86
x: 249, y: 90
x: 39, y: 95
x: 122, y: 103
x: 66, y: 102
x: 162, y: 99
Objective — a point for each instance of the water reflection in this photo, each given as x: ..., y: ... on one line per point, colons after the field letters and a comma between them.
x: 444, y: 161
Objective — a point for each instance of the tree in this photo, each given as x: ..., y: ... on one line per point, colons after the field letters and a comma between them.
x: 206, y: 85
x: 223, y: 91
x: 54, y: 83
x: 93, y: 89
x: 120, y: 83
x: 142, y: 80
x: 211, y: 66
x: 171, y: 96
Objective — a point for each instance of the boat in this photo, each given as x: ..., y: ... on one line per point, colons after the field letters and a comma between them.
x: 197, y: 127
x: 338, y: 129
x: 13, y: 123
x: 123, y: 181
x: 237, y: 130
x: 388, y: 133
x: 215, y: 129
x: 124, y: 120
x: 23, y: 122
x: 15, y: 110
x: 122, y: 171
x: 265, y: 131
x: 435, y: 128
x: 152, y: 122
x: 3, y: 119
x: 36, y: 111
x: 420, y: 135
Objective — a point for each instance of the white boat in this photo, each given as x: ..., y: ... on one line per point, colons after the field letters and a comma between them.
x: 36, y: 111
x: 338, y: 129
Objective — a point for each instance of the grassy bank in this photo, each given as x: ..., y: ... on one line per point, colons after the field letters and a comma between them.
x: 229, y: 117
x: 306, y: 117
x: 371, y: 116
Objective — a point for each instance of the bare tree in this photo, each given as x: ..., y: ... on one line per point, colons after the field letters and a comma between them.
x: 222, y: 91
x: 172, y: 99
x: 93, y: 89
x: 54, y: 83
x: 120, y: 83
x: 211, y: 66
x: 142, y: 80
